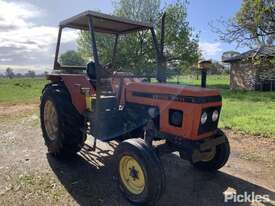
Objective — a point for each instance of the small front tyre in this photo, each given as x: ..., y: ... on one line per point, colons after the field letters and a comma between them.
x: 218, y: 158
x: 140, y: 173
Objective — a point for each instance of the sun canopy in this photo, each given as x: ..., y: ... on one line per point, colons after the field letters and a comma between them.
x: 104, y: 23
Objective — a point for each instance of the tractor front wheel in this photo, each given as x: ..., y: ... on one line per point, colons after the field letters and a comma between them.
x: 62, y: 126
x: 217, y: 157
x: 140, y: 173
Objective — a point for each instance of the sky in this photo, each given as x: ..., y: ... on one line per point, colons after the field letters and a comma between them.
x: 28, y: 28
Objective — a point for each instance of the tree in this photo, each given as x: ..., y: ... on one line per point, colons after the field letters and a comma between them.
x: 181, y: 46
x: 18, y: 75
x: 136, y: 50
x: 72, y: 58
x: 105, y: 44
x: 253, y: 24
x: 30, y: 73
x: 9, y: 73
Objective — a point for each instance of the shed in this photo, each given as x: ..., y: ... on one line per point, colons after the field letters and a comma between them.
x: 253, y: 70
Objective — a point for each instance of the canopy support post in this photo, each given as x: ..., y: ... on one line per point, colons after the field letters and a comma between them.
x: 56, y: 65
x: 161, y: 62
x: 98, y: 74
x: 115, y: 49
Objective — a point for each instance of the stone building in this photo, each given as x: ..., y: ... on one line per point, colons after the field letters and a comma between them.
x: 253, y: 70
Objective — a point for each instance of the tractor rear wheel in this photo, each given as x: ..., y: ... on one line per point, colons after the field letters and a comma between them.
x: 62, y: 125
x: 140, y: 172
x: 217, y: 157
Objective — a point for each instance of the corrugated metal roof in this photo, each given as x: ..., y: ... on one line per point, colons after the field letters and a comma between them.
x: 268, y: 51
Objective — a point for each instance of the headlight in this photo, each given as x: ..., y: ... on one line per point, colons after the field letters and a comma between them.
x: 215, y: 115
x: 203, y: 118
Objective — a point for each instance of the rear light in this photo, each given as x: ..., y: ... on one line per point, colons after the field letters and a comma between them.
x: 175, y: 117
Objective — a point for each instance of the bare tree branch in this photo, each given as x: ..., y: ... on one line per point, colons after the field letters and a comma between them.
x: 253, y: 24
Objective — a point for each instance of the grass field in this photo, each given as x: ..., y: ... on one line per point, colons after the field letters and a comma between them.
x: 20, y: 90
x: 249, y: 112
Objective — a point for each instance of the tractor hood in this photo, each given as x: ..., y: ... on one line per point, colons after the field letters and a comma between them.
x: 188, y: 101
x: 151, y: 89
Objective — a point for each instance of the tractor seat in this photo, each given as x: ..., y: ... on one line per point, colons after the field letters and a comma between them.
x: 106, y: 86
x: 91, y: 72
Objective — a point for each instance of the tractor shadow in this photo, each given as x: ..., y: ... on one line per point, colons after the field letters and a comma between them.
x: 90, y: 179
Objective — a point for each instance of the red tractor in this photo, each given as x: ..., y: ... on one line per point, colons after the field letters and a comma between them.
x: 120, y: 106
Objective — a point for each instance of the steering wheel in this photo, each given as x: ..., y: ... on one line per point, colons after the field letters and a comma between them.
x: 108, y: 67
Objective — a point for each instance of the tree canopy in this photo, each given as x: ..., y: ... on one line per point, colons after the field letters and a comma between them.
x: 253, y: 24
x: 135, y: 52
x: 181, y: 45
x: 30, y: 73
x: 9, y: 73
x: 72, y: 58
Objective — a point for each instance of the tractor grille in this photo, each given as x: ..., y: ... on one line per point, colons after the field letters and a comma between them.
x: 209, y: 125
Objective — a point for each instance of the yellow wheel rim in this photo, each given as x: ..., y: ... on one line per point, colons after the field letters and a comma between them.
x: 51, y: 120
x: 131, y: 175
x: 208, y: 156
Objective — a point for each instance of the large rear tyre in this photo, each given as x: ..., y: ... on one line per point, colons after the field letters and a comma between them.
x: 63, y: 128
x: 140, y: 172
x: 218, y: 159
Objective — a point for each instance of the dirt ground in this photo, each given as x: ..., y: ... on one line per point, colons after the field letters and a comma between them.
x: 29, y: 176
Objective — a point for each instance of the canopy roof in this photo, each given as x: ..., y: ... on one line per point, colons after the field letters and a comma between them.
x: 104, y: 23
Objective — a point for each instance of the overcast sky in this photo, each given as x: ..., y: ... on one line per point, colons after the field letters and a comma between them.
x: 28, y: 29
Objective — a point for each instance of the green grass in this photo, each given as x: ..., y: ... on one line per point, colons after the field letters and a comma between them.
x: 20, y: 90
x: 213, y: 81
x: 246, y: 111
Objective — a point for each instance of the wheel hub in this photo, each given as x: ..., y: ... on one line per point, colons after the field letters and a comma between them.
x: 208, y: 155
x: 51, y: 120
x: 131, y: 174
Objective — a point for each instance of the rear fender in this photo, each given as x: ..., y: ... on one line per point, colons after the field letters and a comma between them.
x: 74, y: 83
